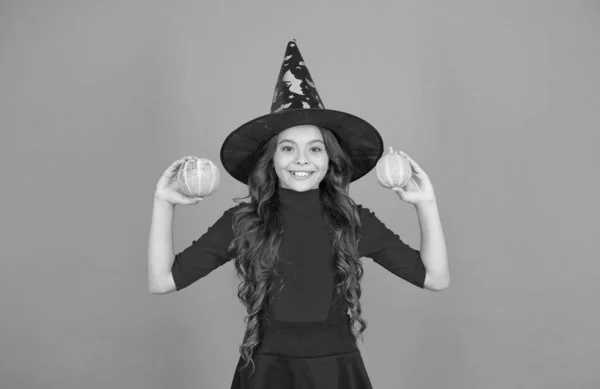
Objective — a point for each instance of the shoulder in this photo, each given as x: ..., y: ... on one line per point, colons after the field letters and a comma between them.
x: 368, y: 230
x: 231, y: 211
x: 370, y: 221
x: 236, y: 207
x: 224, y: 222
x: 364, y: 213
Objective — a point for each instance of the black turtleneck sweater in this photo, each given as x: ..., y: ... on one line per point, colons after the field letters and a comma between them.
x: 306, y: 255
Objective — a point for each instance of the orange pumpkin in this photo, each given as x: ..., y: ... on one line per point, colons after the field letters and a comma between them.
x: 198, y: 177
x: 393, y: 170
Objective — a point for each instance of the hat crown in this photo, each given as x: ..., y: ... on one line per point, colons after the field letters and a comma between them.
x: 295, y: 88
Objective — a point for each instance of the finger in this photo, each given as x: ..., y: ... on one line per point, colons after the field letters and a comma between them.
x: 183, y: 160
x: 191, y: 200
x: 413, y: 163
x: 400, y: 192
x: 175, y: 165
x: 411, y: 185
x: 416, y: 167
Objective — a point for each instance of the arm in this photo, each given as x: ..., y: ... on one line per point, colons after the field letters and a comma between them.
x: 433, y: 247
x: 386, y: 248
x: 160, y: 248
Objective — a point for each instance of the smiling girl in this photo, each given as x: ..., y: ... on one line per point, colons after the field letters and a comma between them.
x: 297, y: 244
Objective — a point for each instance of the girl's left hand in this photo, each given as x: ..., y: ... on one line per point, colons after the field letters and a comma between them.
x: 418, y: 190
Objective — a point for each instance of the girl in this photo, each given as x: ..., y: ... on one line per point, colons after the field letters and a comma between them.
x: 297, y: 244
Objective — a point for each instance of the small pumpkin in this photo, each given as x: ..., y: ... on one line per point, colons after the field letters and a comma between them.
x: 198, y: 177
x: 393, y: 170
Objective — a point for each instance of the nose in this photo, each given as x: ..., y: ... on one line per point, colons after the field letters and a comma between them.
x: 301, y: 159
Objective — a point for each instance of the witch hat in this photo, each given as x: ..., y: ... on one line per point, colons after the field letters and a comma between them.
x: 297, y: 102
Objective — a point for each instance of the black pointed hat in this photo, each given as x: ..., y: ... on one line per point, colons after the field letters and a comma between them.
x: 297, y: 102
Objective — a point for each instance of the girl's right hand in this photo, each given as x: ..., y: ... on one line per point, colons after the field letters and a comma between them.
x: 167, y: 187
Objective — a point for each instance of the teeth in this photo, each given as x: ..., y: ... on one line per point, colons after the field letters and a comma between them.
x: 301, y: 174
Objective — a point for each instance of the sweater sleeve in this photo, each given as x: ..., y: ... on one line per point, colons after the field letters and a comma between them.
x: 205, y: 254
x: 388, y: 250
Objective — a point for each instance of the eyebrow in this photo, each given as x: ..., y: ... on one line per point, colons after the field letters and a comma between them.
x: 289, y: 140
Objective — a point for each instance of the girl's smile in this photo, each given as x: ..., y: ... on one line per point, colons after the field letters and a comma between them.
x: 301, y: 175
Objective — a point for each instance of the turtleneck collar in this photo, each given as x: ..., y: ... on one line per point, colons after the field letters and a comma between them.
x: 308, y: 200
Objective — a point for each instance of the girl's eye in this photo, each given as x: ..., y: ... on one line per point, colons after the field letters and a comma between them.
x: 289, y: 147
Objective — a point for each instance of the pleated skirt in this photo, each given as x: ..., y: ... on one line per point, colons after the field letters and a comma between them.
x: 316, y: 355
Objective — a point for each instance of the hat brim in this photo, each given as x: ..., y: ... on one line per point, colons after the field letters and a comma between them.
x: 357, y: 137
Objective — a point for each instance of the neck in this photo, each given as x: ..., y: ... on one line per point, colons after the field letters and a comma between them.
x: 309, y: 199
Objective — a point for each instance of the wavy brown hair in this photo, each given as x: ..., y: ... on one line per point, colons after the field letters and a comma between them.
x: 258, y: 232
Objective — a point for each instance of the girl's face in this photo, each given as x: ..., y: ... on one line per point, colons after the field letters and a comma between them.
x: 300, y: 149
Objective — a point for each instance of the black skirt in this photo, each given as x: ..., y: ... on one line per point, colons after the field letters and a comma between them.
x: 313, y: 355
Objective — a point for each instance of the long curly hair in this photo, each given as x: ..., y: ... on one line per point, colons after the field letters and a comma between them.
x: 258, y: 232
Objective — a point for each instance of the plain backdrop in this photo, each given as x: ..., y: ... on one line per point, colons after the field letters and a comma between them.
x: 496, y: 100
